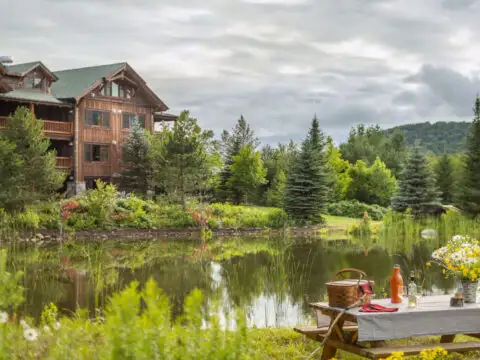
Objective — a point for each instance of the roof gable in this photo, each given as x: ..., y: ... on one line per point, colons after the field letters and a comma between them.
x: 75, y: 83
x: 24, y: 68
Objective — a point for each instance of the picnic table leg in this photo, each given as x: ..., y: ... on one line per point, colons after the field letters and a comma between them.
x: 330, y: 351
x: 445, y: 339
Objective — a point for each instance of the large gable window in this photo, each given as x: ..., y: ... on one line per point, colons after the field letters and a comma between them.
x: 112, y: 88
x: 97, y: 118
x: 129, y: 119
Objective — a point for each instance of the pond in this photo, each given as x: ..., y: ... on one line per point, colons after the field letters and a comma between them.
x: 273, y: 279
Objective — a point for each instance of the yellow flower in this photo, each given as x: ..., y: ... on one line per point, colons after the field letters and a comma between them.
x: 428, y: 264
x: 444, y: 271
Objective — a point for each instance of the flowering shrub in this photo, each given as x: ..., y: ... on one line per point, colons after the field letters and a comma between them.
x: 460, y: 256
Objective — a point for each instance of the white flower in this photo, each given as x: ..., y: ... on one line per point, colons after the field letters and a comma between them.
x: 57, y: 325
x: 24, y: 324
x: 3, y: 317
x: 457, y: 237
x: 46, y: 328
x: 30, y: 334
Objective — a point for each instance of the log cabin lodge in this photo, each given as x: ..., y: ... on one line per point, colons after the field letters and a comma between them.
x: 86, y: 113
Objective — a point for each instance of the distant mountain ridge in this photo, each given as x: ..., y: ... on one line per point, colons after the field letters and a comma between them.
x: 440, y: 137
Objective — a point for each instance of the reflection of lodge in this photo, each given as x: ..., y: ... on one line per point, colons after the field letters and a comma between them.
x: 86, y: 113
x: 76, y: 286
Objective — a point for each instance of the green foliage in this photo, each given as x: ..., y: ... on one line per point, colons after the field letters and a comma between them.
x: 246, y: 172
x: 417, y: 189
x: 339, y: 171
x: 367, y: 144
x: 470, y: 185
x: 371, y: 185
x: 440, y: 137
x: 276, y: 192
x: 181, y: 156
x: 11, y: 293
x: 356, y: 209
x: 137, y: 161
x: 445, y: 179
x: 231, y: 144
x: 27, y: 166
x: 99, y: 202
x: 306, y: 192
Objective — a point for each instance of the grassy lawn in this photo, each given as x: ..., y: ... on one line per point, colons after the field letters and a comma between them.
x: 287, y: 344
x: 343, y: 223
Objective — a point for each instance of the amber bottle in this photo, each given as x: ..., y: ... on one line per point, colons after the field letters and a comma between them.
x: 396, y: 286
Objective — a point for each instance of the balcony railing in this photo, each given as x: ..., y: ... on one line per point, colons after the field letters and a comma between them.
x: 50, y: 127
x: 64, y: 163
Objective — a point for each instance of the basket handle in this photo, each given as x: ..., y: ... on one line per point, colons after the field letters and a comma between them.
x: 360, y: 273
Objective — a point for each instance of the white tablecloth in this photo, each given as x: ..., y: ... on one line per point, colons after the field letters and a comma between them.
x: 433, y: 317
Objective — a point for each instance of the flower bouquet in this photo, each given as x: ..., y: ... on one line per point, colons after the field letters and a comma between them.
x: 461, y: 258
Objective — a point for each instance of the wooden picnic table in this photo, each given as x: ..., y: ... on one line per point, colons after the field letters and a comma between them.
x: 365, y: 334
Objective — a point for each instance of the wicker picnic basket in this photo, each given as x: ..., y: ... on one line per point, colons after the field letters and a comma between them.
x: 343, y: 292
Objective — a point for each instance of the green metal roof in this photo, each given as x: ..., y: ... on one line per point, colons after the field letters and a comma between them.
x: 21, y: 68
x: 35, y: 96
x: 74, y: 82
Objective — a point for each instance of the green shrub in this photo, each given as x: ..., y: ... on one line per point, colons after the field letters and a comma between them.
x: 356, y: 209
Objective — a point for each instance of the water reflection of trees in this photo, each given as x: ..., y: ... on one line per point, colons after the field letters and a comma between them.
x: 292, y: 273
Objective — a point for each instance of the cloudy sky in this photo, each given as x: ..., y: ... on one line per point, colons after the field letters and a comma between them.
x: 276, y: 61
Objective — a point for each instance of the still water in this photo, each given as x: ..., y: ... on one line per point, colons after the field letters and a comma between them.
x: 273, y: 279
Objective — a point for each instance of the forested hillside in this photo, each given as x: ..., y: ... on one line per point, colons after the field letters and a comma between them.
x: 440, y: 137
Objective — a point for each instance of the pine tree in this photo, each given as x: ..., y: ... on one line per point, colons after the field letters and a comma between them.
x: 417, y: 190
x: 231, y: 143
x: 306, y: 192
x: 276, y: 192
x: 445, y: 181
x: 470, y: 186
x: 31, y: 167
x: 138, y: 169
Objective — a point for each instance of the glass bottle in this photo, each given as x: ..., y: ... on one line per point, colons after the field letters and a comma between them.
x: 412, y: 291
x: 396, y: 286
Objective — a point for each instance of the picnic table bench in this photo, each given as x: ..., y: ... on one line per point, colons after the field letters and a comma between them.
x: 365, y: 334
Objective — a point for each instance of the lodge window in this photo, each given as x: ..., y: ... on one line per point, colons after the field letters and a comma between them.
x: 97, y: 118
x: 96, y: 152
x: 129, y: 119
x: 33, y: 81
x: 117, y: 90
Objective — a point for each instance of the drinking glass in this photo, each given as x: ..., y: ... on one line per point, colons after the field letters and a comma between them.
x: 419, y: 296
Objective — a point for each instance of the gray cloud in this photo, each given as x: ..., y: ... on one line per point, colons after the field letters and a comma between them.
x: 278, y: 62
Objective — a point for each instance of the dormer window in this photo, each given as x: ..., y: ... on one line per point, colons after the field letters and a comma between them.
x: 34, y: 80
x: 112, y: 88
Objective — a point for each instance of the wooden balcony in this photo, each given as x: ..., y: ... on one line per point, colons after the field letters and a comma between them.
x: 53, y: 129
x: 64, y: 163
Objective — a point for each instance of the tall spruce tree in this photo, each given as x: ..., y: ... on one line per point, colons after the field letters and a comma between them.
x: 27, y: 167
x: 417, y: 190
x: 306, y: 191
x: 231, y: 143
x: 469, y: 191
x: 445, y: 181
x: 137, y: 162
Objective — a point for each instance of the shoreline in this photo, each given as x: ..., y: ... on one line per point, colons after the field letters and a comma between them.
x: 51, y: 235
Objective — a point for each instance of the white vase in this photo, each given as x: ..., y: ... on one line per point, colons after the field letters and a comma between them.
x: 470, y: 291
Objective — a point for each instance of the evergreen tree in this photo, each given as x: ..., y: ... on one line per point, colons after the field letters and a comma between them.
x: 138, y: 169
x: 445, y: 181
x: 306, y: 192
x: 470, y: 186
x: 28, y: 171
x: 231, y: 143
x: 247, y: 172
x: 417, y: 190
x: 181, y: 159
